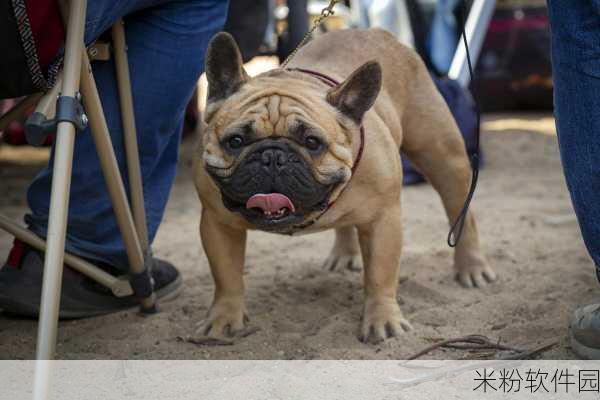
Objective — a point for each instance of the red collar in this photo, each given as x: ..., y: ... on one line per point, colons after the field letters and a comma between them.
x: 332, y: 82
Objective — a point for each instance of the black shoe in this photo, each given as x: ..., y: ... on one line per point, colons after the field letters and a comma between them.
x: 585, y: 332
x: 21, y: 288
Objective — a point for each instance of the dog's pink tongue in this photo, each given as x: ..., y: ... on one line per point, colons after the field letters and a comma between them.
x: 271, y: 202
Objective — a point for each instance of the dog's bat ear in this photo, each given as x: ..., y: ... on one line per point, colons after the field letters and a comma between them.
x: 224, y: 68
x: 357, y: 94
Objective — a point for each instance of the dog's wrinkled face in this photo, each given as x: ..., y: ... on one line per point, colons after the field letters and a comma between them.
x: 280, y: 146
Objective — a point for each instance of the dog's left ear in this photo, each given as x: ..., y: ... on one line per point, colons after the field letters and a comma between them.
x: 357, y: 94
x: 224, y: 69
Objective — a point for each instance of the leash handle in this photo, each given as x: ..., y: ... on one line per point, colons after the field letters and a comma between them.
x: 457, y: 227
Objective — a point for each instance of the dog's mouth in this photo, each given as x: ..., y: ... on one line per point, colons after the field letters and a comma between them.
x: 272, y: 206
x: 270, y: 211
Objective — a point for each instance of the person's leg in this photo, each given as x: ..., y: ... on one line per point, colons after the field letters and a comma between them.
x: 575, y: 27
x: 297, y: 27
x: 166, y: 44
x: 442, y: 38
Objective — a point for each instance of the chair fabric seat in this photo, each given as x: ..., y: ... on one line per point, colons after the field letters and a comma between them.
x: 32, y: 35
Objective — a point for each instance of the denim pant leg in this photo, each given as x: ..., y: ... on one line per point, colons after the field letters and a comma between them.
x: 166, y: 43
x: 575, y: 26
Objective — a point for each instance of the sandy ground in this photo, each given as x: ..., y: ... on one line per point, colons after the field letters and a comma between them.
x: 528, y: 230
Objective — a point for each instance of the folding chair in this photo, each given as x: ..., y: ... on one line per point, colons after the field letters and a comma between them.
x: 60, y: 110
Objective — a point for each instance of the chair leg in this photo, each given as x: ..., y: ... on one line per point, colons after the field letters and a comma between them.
x: 61, y: 183
x: 116, y: 189
x: 76, y: 72
x: 136, y: 191
x: 19, y: 110
x: 119, y: 287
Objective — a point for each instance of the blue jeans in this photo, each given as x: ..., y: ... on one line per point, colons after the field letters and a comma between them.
x: 575, y: 26
x: 166, y: 43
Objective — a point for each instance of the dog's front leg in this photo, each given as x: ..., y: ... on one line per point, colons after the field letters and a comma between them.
x: 225, y: 248
x: 380, y: 243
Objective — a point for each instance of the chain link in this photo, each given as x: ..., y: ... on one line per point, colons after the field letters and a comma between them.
x: 325, y: 13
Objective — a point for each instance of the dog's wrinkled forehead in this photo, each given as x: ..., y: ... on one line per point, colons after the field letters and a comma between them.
x: 271, y: 109
x: 231, y: 90
x: 274, y: 114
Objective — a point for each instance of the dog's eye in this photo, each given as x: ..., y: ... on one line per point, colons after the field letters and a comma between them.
x: 235, y: 142
x: 313, y: 143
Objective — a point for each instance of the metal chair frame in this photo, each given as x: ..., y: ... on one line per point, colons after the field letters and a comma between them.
x: 75, y: 78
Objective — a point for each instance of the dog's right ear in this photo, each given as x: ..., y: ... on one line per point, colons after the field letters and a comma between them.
x: 224, y: 70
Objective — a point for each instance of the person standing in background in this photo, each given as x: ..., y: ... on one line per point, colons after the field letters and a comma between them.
x: 575, y: 30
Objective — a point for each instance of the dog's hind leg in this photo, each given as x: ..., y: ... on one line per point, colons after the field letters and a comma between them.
x: 435, y: 146
x: 345, y: 252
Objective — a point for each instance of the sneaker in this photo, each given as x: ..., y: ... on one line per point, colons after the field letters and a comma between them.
x: 21, y: 287
x: 585, y: 332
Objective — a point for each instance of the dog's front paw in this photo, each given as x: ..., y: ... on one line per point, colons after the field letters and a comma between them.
x: 341, y: 258
x: 226, y: 318
x: 474, y: 272
x: 382, y: 319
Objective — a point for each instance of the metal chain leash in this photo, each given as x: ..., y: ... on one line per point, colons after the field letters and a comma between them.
x: 325, y: 13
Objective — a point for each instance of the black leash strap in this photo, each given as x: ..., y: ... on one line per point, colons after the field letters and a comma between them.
x: 457, y: 227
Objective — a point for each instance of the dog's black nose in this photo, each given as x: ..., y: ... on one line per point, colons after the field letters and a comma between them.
x: 274, y: 158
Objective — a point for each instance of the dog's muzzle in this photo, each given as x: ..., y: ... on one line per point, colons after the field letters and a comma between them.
x: 274, y: 185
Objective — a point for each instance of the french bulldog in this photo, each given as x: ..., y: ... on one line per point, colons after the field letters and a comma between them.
x: 316, y: 146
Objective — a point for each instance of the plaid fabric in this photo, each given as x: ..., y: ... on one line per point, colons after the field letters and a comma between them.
x: 34, y: 36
